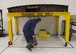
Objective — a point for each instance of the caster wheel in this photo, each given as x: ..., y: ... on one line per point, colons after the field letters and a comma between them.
x: 10, y: 43
x: 65, y: 44
x: 17, y: 33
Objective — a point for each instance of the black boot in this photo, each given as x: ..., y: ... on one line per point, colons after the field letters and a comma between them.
x: 29, y: 47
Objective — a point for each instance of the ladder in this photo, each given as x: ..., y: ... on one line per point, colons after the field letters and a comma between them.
x: 1, y: 24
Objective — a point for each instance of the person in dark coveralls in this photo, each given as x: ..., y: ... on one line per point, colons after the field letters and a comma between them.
x: 29, y: 34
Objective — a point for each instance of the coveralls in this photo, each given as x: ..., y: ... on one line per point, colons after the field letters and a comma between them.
x: 28, y: 30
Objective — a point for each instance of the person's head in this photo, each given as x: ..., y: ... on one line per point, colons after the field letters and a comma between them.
x: 38, y: 19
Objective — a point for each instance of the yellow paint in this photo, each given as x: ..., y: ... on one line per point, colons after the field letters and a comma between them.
x: 67, y: 28
x: 57, y: 24
x: 14, y: 14
x: 10, y: 30
x: 16, y: 25
x: 43, y: 34
x: 38, y: 14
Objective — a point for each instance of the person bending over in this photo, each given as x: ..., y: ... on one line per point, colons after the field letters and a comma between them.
x: 29, y: 34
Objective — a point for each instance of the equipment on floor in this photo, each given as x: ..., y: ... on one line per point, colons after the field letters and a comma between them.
x: 44, y: 34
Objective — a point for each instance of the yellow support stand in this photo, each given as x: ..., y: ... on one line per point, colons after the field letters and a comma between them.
x: 10, y: 32
x: 67, y: 28
x: 16, y: 26
x: 66, y: 15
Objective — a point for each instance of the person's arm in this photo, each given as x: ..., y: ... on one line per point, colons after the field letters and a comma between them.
x: 33, y: 25
x: 32, y: 29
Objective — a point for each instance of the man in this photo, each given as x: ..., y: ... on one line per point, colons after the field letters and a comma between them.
x: 28, y: 31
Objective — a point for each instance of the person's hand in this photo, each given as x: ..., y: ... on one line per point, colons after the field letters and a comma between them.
x: 33, y: 36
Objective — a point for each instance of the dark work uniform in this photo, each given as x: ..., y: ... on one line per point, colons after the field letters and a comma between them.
x: 28, y: 30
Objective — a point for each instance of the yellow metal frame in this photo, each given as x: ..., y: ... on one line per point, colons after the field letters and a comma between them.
x: 66, y: 15
x: 16, y: 25
x: 57, y: 24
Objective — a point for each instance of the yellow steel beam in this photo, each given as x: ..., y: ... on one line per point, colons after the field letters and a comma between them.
x: 38, y: 14
x: 10, y: 32
x: 16, y: 25
x: 14, y: 14
x: 67, y: 28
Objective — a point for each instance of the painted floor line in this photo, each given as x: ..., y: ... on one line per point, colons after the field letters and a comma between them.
x: 4, y: 50
x: 8, y: 46
x: 71, y: 45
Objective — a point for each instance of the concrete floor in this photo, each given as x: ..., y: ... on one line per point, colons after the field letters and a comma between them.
x: 52, y: 45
